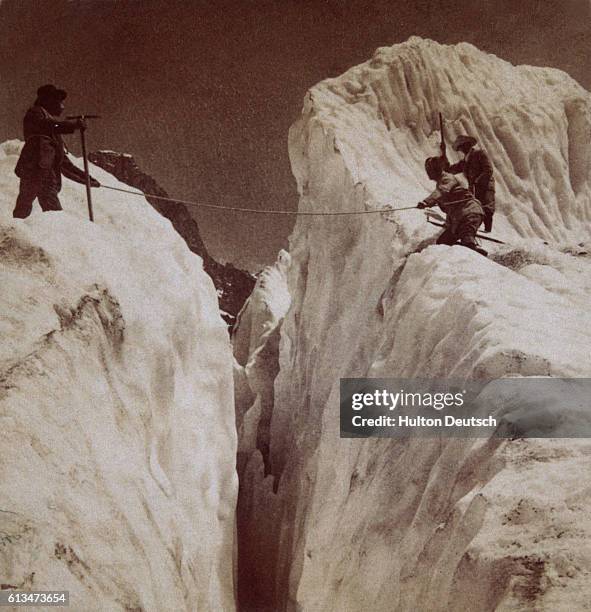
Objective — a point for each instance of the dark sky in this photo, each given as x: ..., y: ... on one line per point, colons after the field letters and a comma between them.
x: 203, y: 92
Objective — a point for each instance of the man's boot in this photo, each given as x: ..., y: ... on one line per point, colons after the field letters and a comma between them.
x: 470, y: 244
x: 480, y: 250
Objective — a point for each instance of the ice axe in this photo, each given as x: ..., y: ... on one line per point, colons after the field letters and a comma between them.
x: 478, y: 234
x: 442, y: 146
x: 85, y: 157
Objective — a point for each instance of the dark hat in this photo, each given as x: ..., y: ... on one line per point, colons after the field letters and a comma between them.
x: 462, y: 139
x: 434, y: 166
x: 51, y: 92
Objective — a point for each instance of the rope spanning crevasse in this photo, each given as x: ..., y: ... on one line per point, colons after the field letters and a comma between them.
x: 293, y: 213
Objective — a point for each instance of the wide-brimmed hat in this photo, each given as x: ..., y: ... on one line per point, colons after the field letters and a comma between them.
x: 51, y: 92
x: 463, y: 139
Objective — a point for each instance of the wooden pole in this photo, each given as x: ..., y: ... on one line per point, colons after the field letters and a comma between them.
x: 478, y: 234
x: 87, y: 173
x: 85, y: 157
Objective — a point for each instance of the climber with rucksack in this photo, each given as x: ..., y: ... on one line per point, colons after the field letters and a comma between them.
x: 478, y: 171
x: 464, y: 213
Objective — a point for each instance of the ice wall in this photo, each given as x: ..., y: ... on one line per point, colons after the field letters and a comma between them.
x: 255, y: 340
x: 415, y: 524
x: 382, y: 118
x: 117, y: 437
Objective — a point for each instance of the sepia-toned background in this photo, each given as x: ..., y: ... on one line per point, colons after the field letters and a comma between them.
x: 202, y: 93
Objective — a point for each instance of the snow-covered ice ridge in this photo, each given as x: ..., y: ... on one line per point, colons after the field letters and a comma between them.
x: 382, y: 119
x: 117, y: 436
x: 332, y: 524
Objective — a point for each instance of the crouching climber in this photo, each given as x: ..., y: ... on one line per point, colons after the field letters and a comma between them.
x: 463, y: 211
x: 478, y: 171
x: 43, y: 159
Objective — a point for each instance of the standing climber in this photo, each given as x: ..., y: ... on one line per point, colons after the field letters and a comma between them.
x: 478, y: 170
x: 43, y: 159
x: 463, y: 211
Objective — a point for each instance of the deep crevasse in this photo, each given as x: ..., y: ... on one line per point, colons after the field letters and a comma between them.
x: 406, y: 525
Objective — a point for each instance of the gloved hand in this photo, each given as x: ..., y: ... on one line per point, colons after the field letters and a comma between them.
x: 94, y: 182
x: 422, y: 205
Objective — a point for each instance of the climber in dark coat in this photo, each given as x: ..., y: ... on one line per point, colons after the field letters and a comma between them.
x: 478, y: 171
x: 43, y: 159
x: 463, y: 211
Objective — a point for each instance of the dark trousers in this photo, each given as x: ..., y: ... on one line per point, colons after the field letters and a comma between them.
x: 43, y: 187
x: 465, y: 231
x: 487, y: 199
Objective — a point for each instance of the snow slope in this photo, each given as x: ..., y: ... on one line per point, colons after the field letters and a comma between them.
x: 416, y: 524
x: 117, y: 438
x: 233, y: 285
